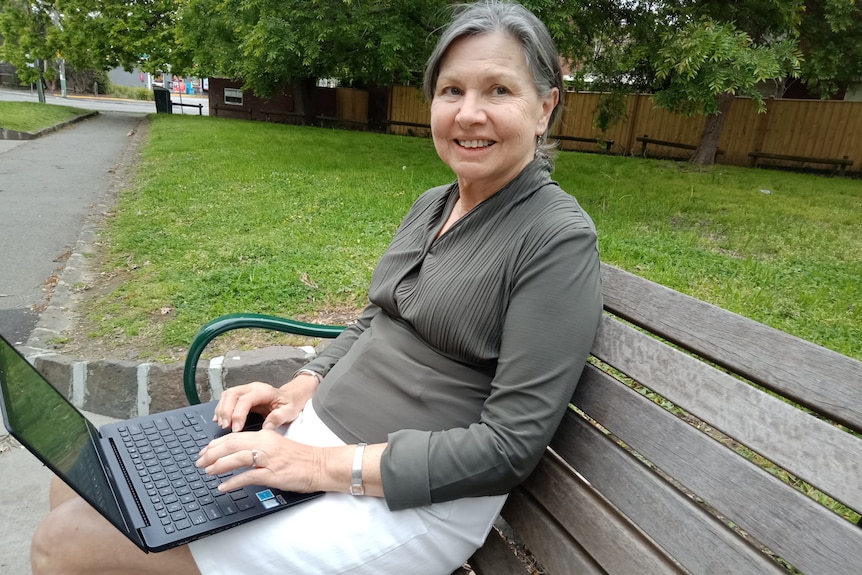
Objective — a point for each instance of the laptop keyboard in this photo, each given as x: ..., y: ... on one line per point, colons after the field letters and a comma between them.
x: 164, y: 452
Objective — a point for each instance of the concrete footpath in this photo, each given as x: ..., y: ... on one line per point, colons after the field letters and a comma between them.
x: 54, y: 191
x: 23, y: 500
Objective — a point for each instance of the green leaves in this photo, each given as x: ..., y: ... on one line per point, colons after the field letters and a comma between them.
x: 704, y: 59
x: 28, y: 36
x: 270, y: 42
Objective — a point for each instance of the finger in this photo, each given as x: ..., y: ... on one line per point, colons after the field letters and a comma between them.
x: 241, y: 409
x: 254, y: 476
x: 224, y: 446
x: 280, y: 416
x: 226, y: 406
x: 236, y: 403
x: 234, y: 460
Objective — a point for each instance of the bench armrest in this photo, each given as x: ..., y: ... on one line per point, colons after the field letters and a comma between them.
x: 234, y: 321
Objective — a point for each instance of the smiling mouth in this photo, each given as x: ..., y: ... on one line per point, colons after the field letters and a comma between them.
x: 475, y: 144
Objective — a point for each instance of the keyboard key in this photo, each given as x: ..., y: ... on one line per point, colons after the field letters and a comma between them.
x: 197, y: 517
x: 226, y: 505
x: 237, y: 494
x: 212, y: 511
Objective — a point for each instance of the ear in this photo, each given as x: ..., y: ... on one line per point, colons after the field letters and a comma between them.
x: 549, y: 102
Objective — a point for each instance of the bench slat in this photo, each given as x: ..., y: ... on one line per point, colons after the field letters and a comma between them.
x: 575, y: 511
x: 495, y: 557
x: 559, y: 554
x: 845, y: 161
x: 819, y: 378
x: 794, y: 526
x: 811, y: 449
x: 697, y: 540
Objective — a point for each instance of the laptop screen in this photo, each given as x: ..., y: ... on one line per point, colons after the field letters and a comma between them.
x: 50, y: 427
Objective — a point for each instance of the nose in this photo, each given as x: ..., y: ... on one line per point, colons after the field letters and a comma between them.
x: 472, y: 110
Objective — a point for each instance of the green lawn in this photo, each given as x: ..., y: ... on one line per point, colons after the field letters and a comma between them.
x: 228, y: 216
x: 32, y: 116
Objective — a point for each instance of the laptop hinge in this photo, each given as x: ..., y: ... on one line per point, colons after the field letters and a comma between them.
x: 129, y: 482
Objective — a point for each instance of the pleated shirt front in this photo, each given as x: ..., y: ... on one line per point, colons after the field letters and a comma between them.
x: 472, y: 343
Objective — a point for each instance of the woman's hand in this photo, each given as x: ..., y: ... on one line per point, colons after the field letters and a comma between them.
x: 279, y: 405
x: 272, y: 459
x: 275, y: 461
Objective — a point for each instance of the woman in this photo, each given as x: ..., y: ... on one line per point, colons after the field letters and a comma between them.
x: 422, y: 416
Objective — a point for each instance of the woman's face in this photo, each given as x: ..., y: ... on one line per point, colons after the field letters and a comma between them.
x: 486, y: 113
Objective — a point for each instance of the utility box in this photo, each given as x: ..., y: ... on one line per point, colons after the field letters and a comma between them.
x: 163, y: 100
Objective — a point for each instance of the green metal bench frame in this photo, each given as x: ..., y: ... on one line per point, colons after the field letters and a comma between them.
x: 226, y: 323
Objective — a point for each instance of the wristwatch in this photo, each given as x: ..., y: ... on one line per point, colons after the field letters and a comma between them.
x: 316, y: 375
x: 356, y: 487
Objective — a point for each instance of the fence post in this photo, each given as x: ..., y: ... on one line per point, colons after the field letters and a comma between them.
x: 762, y: 127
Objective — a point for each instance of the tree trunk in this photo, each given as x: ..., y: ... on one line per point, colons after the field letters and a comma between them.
x: 302, y: 93
x: 712, y: 128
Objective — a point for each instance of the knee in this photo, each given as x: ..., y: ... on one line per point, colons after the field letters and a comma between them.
x: 43, y: 557
x: 52, y: 541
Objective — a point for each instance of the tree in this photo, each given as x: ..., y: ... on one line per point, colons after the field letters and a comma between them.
x: 28, y: 39
x: 696, y: 56
x: 831, y: 43
x: 270, y: 43
x: 704, y: 65
x: 89, y: 34
x: 121, y: 33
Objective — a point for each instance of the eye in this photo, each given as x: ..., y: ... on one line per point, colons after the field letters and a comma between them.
x: 500, y: 90
x: 450, y: 91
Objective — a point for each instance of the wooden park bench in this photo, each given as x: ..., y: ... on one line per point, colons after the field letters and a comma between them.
x: 840, y: 164
x: 607, y: 143
x: 698, y: 441
x: 645, y: 139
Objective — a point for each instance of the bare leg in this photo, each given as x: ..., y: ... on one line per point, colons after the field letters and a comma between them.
x: 75, y: 539
x: 59, y: 492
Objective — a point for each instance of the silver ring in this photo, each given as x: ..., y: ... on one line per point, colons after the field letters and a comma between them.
x: 254, y: 454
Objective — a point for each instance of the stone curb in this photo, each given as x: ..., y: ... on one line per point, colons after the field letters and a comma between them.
x: 125, y: 389
x: 7, y: 134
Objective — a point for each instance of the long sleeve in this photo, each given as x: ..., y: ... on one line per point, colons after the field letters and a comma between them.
x: 550, y: 324
x: 341, y: 344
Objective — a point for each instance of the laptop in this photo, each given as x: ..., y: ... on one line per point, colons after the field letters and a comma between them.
x: 139, y: 473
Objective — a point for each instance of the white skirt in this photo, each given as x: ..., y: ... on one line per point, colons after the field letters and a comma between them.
x: 341, y: 534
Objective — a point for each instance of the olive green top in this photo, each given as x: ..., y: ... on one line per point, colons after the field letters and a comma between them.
x: 472, y: 344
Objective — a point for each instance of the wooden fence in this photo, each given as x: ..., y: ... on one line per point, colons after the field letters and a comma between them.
x: 809, y: 128
x: 806, y: 128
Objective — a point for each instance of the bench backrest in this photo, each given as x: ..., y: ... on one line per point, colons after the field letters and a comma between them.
x: 700, y: 442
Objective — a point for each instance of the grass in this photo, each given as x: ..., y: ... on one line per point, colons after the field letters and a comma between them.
x: 131, y: 92
x: 229, y: 216
x: 32, y: 117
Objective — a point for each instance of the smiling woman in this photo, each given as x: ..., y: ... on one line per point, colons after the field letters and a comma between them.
x: 487, y: 116
x: 423, y: 414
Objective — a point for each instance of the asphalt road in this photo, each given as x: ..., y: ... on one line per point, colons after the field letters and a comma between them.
x: 107, y: 104
x: 49, y: 187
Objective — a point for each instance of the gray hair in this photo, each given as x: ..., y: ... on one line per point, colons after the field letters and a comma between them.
x: 489, y: 16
